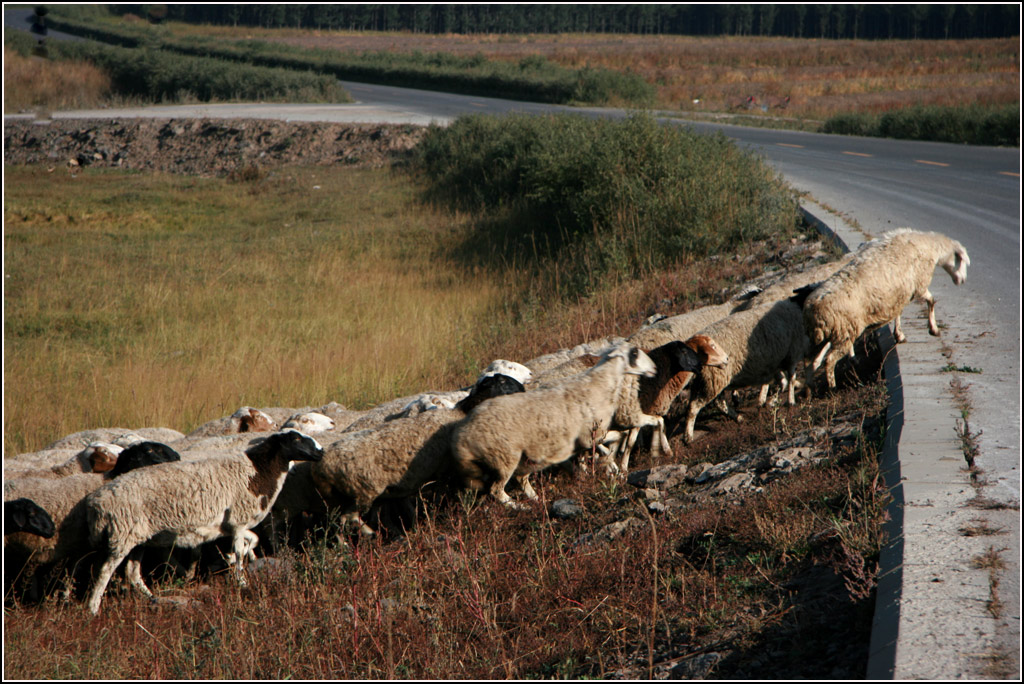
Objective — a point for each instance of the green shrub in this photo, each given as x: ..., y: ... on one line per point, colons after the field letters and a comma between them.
x: 974, y: 125
x: 603, y: 198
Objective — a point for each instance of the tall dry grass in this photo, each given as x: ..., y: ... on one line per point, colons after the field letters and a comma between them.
x: 33, y: 82
x: 135, y: 300
x: 821, y: 77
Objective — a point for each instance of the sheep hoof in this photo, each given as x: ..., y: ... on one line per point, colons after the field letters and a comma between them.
x: 514, y: 505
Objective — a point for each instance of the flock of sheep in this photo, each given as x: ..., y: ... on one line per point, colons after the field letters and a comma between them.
x: 160, y: 488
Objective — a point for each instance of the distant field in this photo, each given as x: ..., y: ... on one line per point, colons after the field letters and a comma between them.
x: 821, y: 77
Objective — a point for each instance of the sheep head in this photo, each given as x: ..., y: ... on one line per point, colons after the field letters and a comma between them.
x: 144, y: 454
x: 310, y: 422
x: 253, y: 420
x: 100, y: 457
x: 955, y: 263
x: 637, y: 362
x: 516, y: 371
x: 708, y: 350
x: 289, y: 444
x: 25, y: 515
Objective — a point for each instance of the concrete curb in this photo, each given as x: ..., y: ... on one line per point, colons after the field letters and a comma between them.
x: 885, y: 624
x: 886, y: 621
x: 934, y: 616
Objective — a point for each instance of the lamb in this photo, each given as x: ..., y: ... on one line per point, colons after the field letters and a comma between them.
x: 760, y: 343
x: 884, y: 276
x: 517, y: 434
x: 399, y: 457
x: 25, y: 515
x: 187, y: 503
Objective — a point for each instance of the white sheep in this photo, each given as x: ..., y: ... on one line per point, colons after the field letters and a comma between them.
x: 310, y: 422
x: 782, y: 287
x: 62, y: 499
x: 884, y: 276
x: 760, y: 343
x: 399, y: 457
x: 188, y: 503
x: 518, y: 434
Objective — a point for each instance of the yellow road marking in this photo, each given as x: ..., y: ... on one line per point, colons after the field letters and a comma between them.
x: 859, y: 154
x: 787, y: 145
x: 478, y: 104
x: 1010, y: 173
x: 930, y: 163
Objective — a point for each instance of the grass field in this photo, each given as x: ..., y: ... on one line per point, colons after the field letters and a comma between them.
x: 822, y: 78
x: 174, y: 300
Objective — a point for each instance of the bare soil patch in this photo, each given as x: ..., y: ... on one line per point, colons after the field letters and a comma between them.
x: 204, y: 147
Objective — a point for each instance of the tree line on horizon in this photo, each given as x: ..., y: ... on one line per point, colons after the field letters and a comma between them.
x: 837, y: 21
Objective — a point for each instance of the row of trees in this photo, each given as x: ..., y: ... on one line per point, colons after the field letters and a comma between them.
x: 871, y: 21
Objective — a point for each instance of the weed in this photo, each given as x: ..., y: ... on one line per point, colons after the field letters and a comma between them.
x: 969, y: 446
x: 953, y: 368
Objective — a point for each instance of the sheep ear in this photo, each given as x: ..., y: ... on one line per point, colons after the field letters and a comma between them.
x: 634, y: 355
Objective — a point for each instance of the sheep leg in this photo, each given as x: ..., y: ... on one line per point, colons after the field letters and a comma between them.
x: 103, y: 579
x: 833, y: 359
x: 897, y: 331
x: 498, y: 489
x: 691, y: 418
x: 933, y: 327
x: 762, y: 398
x: 814, y: 366
x: 133, y: 571
x: 627, y: 448
x: 726, y: 407
x: 353, y: 517
x: 524, y: 484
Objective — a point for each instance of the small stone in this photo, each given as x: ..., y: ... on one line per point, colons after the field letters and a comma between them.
x: 565, y: 509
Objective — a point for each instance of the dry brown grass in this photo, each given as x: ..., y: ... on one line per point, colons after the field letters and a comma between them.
x: 33, y: 82
x: 822, y: 77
